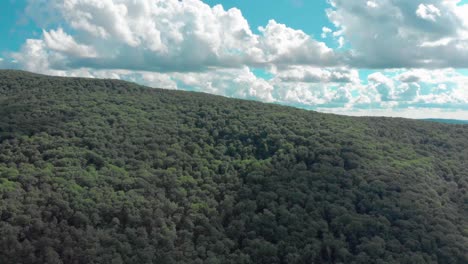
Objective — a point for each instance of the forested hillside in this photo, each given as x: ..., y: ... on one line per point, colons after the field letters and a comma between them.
x: 105, y: 171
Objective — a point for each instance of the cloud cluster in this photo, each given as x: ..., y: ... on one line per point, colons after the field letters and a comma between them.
x: 428, y: 12
x: 58, y: 40
x: 419, y: 87
x: 169, y: 36
x: 403, y: 34
x: 318, y: 75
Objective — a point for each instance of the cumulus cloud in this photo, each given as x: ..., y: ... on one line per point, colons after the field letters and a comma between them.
x: 152, y: 79
x: 283, y: 45
x: 60, y: 41
x: 171, y: 36
x: 409, y: 77
x: 403, y: 34
x: 372, y: 4
x: 325, y: 32
x: 420, y: 87
x: 317, y: 75
x: 412, y: 112
x: 428, y: 12
x: 156, y: 35
x: 383, y: 85
x: 240, y: 83
x: 34, y: 57
x: 408, y: 92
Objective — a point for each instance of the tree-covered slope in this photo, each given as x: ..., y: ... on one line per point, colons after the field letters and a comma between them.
x: 103, y: 171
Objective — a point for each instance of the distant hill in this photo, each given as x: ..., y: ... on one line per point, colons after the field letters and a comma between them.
x: 448, y: 121
x: 106, y: 171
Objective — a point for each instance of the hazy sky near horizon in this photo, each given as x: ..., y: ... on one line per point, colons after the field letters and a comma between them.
x: 361, y: 57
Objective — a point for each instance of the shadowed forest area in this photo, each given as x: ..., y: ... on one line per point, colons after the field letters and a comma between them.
x: 106, y: 171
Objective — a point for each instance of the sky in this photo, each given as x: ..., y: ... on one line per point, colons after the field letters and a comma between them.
x: 362, y: 57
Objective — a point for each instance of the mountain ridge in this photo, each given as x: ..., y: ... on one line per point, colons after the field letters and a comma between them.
x: 27, y: 73
x: 447, y: 121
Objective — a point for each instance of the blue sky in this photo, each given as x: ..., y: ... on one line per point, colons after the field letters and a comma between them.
x: 308, y: 16
x: 362, y: 57
x: 13, y: 34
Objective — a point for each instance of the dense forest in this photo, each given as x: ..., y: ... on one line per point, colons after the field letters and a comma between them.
x: 106, y: 171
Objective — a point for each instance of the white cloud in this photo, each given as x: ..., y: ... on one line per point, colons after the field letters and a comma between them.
x: 240, y: 83
x: 171, y: 36
x: 155, y: 79
x: 419, y: 87
x: 286, y: 46
x: 379, y: 77
x: 415, y: 113
x: 372, y: 4
x: 325, y: 32
x: 408, y: 92
x: 317, y: 75
x: 60, y: 41
x: 34, y: 57
x: 342, y: 95
x: 403, y: 34
x: 341, y: 42
x: 161, y: 36
x: 302, y: 94
x: 412, y: 76
x: 437, y: 43
x: 428, y: 12
x: 383, y: 85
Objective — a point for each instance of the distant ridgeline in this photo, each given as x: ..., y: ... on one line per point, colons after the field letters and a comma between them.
x: 105, y: 171
x: 448, y: 121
